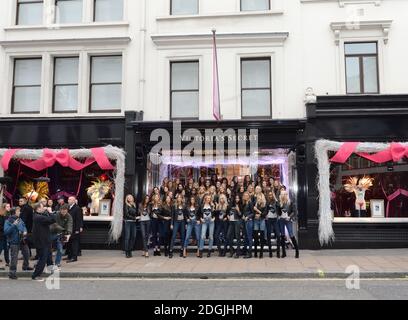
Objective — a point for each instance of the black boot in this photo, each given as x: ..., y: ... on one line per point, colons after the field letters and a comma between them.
x: 170, y: 254
x: 278, y: 247
x: 181, y: 253
x: 283, y: 245
x: 231, y: 252
x: 219, y: 251
x: 256, y: 242
x: 127, y: 254
x: 262, y: 245
x: 270, y: 251
x: 295, y: 244
x: 166, y: 252
x: 209, y: 254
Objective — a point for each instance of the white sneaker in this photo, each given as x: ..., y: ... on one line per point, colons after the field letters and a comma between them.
x: 49, y: 269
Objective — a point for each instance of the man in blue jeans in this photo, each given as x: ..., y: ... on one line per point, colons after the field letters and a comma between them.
x: 61, y: 232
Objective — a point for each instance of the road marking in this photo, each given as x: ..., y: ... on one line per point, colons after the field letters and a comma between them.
x: 216, y: 280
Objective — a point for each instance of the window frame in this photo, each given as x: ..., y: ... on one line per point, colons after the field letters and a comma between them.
x: 240, y: 7
x: 18, y: 3
x: 193, y: 14
x: 55, y: 85
x: 244, y: 89
x: 25, y: 86
x: 56, y: 6
x: 189, y: 90
x: 104, y: 83
x: 106, y: 21
x: 361, y: 57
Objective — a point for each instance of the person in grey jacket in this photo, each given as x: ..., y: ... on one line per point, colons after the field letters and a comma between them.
x: 61, y: 232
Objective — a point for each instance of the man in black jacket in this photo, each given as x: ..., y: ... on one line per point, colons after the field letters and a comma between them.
x: 77, y: 225
x: 41, y: 237
x: 26, y: 216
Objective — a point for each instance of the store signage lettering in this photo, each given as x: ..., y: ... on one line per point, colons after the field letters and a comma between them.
x: 192, y: 146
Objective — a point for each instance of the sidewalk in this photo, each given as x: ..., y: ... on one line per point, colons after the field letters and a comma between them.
x: 380, y: 263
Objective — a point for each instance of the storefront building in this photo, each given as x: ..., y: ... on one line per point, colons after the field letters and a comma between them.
x: 42, y: 135
x: 360, y: 137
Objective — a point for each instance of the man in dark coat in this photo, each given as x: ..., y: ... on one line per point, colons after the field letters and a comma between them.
x: 41, y: 237
x: 77, y: 225
x: 26, y: 216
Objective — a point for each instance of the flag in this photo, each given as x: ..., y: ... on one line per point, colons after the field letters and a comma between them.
x: 216, y: 84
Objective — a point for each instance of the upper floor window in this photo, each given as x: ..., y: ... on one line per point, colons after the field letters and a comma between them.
x: 108, y: 10
x: 361, y: 67
x: 66, y: 84
x: 255, y: 5
x: 106, y: 84
x: 29, y: 12
x: 184, y: 90
x: 27, y: 85
x: 256, y: 88
x: 68, y: 11
x: 180, y: 7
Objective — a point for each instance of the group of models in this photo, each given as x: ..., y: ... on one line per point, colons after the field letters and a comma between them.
x: 239, y: 217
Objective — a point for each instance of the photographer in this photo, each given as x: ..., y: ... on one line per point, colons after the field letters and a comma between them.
x: 61, y: 231
x: 15, y: 231
x: 41, y: 237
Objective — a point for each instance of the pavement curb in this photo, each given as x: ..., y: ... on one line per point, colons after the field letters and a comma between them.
x: 209, y: 276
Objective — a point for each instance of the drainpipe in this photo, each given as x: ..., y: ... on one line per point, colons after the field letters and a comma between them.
x: 142, y: 55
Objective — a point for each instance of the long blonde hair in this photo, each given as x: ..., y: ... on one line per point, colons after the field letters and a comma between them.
x: 284, y: 194
x: 128, y: 203
x: 260, y: 200
x: 222, y: 207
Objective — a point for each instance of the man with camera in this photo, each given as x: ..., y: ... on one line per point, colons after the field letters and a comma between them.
x: 61, y: 231
x: 16, y: 232
x: 42, y: 237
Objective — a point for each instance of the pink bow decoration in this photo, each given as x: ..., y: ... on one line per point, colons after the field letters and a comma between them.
x: 395, y: 152
x: 64, y: 158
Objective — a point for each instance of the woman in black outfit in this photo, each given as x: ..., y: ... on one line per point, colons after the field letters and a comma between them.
x: 221, y: 224
x: 164, y: 226
x: 234, y: 226
x: 272, y: 224
x: 144, y: 218
x: 193, y: 219
x: 130, y: 217
x: 178, y: 224
x: 156, y: 209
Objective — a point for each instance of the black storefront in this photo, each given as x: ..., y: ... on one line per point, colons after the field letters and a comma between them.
x: 69, y: 133
x: 271, y: 134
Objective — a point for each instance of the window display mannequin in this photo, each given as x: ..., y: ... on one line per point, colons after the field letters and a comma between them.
x: 359, y: 188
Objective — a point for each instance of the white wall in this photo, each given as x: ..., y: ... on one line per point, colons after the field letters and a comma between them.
x: 308, y: 57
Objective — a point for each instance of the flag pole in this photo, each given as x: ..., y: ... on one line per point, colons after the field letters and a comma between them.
x: 216, y: 84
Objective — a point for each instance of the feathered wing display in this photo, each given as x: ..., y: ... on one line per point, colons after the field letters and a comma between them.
x: 34, y: 192
x: 351, y: 184
x: 366, y: 182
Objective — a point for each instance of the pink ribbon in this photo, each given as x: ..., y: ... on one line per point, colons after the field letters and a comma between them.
x: 345, y: 151
x: 394, y: 195
x: 395, y: 152
x: 8, y: 155
x: 63, y: 157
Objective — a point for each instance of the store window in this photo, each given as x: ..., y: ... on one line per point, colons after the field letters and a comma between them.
x: 106, y: 84
x: 27, y: 85
x: 180, y: 7
x: 68, y: 11
x: 29, y: 12
x: 256, y: 88
x: 184, y: 90
x: 255, y: 5
x: 361, y: 188
x: 361, y: 67
x: 108, y: 10
x: 66, y: 84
